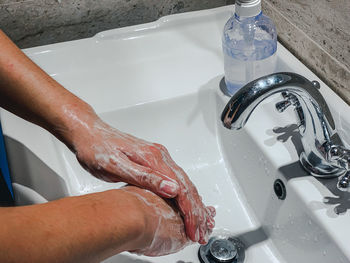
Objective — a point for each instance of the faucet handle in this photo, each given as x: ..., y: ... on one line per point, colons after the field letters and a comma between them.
x: 344, y: 182
x: 340, y: 155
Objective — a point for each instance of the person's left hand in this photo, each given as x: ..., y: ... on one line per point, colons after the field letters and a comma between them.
x: 164, y: 230
x: 114, y: 156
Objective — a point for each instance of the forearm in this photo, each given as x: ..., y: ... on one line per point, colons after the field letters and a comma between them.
x: 77, y: 229
x: 27, y: 91
x: 105, y: 152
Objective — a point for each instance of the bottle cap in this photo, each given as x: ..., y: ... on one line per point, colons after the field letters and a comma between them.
x: 248, y: 8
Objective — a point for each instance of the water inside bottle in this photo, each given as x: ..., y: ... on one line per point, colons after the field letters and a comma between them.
x: 250, y: 58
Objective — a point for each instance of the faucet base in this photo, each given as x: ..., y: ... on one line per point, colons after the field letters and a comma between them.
x: 321, y: 171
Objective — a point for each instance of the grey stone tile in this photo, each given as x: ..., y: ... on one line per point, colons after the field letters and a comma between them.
x: 325, y: 21
x: 33, y: 23
x: 304, y: 46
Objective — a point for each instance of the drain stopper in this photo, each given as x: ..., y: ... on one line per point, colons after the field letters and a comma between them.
x: 222, y: 249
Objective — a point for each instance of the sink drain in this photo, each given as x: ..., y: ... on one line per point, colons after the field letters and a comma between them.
x: 222, y: 249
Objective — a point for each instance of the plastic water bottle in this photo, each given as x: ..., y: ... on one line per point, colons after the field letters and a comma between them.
x: 249, y: 44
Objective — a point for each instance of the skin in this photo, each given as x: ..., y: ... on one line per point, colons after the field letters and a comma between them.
x: 116, y: 156
x: 107, y: 153
x: 91, y: 228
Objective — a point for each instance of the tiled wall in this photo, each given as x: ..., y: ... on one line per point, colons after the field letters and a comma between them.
x: 38, y: 22
x: 318, y: 33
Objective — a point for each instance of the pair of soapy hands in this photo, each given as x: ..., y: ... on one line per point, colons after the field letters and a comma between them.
x: 114, y: 156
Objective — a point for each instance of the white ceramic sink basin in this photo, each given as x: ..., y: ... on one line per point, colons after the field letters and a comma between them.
x: 160, y: 81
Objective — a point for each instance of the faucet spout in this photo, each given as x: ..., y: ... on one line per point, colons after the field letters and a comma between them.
x: 315, y: 121
x: 242, y: 104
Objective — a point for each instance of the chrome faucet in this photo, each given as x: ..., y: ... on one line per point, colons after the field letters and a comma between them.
x: 324, y: 154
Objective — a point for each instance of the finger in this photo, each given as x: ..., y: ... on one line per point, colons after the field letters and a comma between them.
x: 211, y: 211
x: 206, y: 236
x: 194, y: 214
x: 187, y: 209
x: 210, y: 223
x: 191, y: 227
x: 210, y: 231
x: 195, y: 225
x: 143, y: 177
x: 205, y: 239
x: 203, y: 229
x: 190, y: 203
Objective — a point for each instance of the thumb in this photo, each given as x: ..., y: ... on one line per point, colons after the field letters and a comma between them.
x: 146, y: 178
x: 168, y: 188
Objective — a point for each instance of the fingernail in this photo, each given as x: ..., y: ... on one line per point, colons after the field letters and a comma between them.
x: 169, y: 188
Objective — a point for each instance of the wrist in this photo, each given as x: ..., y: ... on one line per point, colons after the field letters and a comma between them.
x: 76, y: 120
x: 141, y: 219
x: 123, y: 219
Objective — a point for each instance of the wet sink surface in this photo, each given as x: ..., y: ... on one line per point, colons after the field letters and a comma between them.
x: 191, y: 135
x: 161, y: 82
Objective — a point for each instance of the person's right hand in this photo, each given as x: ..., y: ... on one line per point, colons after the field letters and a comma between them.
x: 164, y: 231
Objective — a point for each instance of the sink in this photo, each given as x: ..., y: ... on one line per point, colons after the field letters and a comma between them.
x: 161, y: 82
